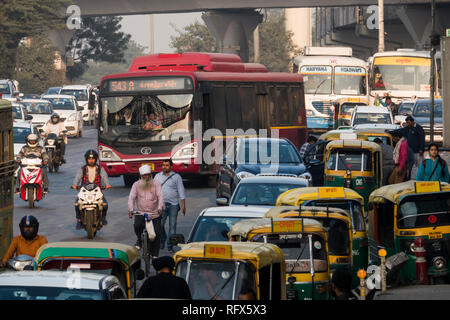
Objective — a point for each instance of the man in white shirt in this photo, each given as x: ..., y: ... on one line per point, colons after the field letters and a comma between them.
x: 56, y: 126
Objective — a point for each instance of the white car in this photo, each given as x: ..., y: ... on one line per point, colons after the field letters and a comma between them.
x: 39, y: 109
x: 59, y: 285
x: 20, y: 112
x: 69, y: 112
x: 86, y: 99
x: 371, y: 115
x: 212, y: 223
x: 21, y: 129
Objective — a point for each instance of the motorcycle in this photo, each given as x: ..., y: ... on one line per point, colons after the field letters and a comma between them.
x: 21, y: 262
x: 90, y: 202
x: 31, y: 181
x: 52, y: 147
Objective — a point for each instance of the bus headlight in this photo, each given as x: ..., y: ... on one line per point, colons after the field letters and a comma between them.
x: 106, y: 154
x: 187, y: 152
x: 439, y: 263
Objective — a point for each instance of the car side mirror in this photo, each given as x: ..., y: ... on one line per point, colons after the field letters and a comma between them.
x: 80, y: 108
x: 29, y: 117
x: 140, y: 274
x: 176, y: 239
x: 222, y: 201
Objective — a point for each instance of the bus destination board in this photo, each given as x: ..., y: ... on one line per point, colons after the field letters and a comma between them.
x: 149, y: 84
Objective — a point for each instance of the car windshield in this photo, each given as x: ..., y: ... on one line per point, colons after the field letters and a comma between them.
x: 295, y: 247
x: 61, y: 103
x: 425, y: 210
x: 48, y: 293
x: 79, y: 94
x: 364, y: 117
x: 423, y: 109
x: 265, y: 194
x: 405, y: 108
x: 352, y: 206
x: 4, y: 88
x: 265, y: 152
x: 216, y: 279
x: 317, y: 79
x: 211, y: 228
x: 19, y: 134
x: 349, y: 159
x: 53, y: 90
x: 38, y: 107
x: 17, y: 112
x: 350, y: 80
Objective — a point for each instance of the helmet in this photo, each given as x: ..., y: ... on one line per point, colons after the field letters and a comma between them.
x: 53, y: 116
x: 32, y: 140
x: 145, y: 169
x: 91, y: 153
x: 29, y: 221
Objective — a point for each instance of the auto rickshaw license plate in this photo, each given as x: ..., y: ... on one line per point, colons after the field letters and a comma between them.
x: 435, y: 235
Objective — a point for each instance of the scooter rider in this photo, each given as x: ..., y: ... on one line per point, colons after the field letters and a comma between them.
x: 28, y: 242
x: 56, y: 126
x: 91, y: 173
x: 32, y: 147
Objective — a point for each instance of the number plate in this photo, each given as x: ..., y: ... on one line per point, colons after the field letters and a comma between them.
x: 435, y: 235
x: 151, y: 165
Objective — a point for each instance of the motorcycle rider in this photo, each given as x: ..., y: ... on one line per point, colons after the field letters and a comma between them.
x: 91, y: 173
x: 28, y: 242
x: 56, y: 126
x: 32, y: 147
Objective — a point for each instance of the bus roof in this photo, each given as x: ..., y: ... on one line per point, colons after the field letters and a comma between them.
x: 330, y: 60
x: 403, y: 53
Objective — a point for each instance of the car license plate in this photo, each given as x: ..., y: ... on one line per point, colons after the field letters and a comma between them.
x: 151, y: 165
x: 435, y: 235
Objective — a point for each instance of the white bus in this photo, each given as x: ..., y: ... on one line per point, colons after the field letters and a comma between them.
x: 403, y: 74
x: 331, y: 76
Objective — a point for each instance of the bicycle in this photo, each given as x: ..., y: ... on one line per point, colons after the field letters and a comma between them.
x: 145, y: 240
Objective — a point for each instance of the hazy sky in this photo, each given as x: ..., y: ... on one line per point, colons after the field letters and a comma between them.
x: 139, y: 28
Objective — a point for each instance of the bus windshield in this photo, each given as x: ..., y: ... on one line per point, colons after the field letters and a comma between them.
x: 145, y: 117
x: 317, y: 79
x: 350, y: 80
x: 401, y: 73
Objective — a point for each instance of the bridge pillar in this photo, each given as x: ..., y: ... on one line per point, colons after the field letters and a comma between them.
x: 233, y: 29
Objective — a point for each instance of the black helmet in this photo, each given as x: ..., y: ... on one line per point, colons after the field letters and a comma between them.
x: 91, y: 154
x: 29, y: 221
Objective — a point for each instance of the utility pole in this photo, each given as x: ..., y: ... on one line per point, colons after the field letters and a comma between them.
x: 256, y: 44
x: 380, y: 25
x: 152, y: 35
x: 432, y: 77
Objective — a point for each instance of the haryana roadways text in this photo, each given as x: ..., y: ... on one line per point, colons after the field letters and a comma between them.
x: 231, y: 309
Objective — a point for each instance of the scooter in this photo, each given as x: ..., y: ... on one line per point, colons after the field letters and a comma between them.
x: 31, y: 181
x: 90, y: 202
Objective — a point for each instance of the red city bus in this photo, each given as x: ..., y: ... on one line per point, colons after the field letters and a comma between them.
x: 180, y: 89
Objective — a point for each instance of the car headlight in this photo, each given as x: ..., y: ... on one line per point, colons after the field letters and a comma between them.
x: 439, y: 262
x: 72, y: 117
x: 187, y: 152
x: 244, y: 174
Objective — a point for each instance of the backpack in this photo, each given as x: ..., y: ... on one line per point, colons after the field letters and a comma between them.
x: 441, y: 162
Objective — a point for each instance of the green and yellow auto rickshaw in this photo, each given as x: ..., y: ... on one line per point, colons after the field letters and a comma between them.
x: 305, y: 248
x: 402, y: 212
x: 335, y: 220
x: 222, y: 270
x: 120, y: 260
x: 343, y: 109
x: 373, y: 133
x: 336, y: 197
x: 354, y: 164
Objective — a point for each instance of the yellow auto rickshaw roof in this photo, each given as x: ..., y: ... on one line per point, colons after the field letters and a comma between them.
x: 89, y: 249
x: 5, y: 104
x: 244, y: 227
x: 353, y: 143
x: 266, y: 253
x: 336, y: 135
x: 313, y: 210
x: 293, y: 197
x: 394, y: 191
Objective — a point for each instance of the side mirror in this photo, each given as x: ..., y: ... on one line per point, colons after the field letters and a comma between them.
x: 176, y: 239
x: 140, y: 274
x: 222, y: 201
x: 29, y: 117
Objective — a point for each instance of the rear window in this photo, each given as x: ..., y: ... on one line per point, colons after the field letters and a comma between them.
x: 212, y: 228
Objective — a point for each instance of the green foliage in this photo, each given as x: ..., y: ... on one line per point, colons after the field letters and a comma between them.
x: 36, y: 66
x: 195, y: 37
x: 25, y: 18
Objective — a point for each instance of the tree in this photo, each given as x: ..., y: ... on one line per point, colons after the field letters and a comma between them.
x: 99, y: 39
x: 25, y: 18
x: 36, y: 66
x: 195, y: 37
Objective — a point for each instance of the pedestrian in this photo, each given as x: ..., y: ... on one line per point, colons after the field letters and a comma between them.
x: 164, y: 284
x: 173, y: 192
x: 400, y: 157
x: 147, y: 196
x: 389, y: 104
x: 305, y: 147
x: 433, y: 169
x: 341, y: 284
x: 387, y: 153
x: 415, y: 136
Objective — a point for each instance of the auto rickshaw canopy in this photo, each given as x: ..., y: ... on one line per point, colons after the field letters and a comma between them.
x: 354, y: 143
x: 393, y: 192
x: 293, y: 211
x: 128, y: 255
x: 295, y: 197
x: 339, y: 134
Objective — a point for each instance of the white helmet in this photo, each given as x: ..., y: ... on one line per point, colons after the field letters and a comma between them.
x: 145, y: 169
x: 32, y: 140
